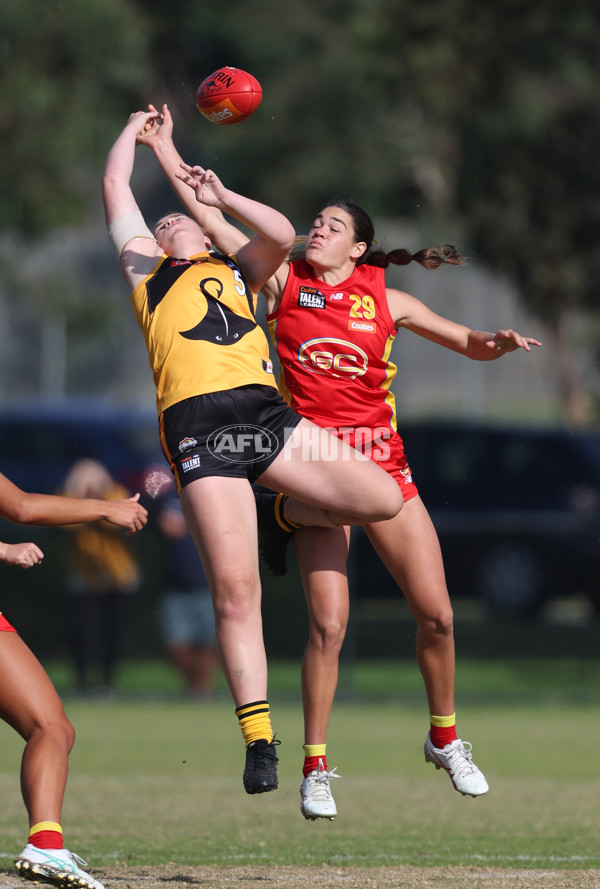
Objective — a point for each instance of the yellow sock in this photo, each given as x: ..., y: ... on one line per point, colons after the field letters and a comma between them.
x: 255, y: 721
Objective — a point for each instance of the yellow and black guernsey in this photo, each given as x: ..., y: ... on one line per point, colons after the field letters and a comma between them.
x: 198, y: 317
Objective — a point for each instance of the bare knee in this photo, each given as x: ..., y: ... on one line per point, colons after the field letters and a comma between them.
x: 328, y: 637
x: 235, y: 603
x: 69, y: 735
x: 384, y: 505
x: 440, y: 623
x: 57, y: 730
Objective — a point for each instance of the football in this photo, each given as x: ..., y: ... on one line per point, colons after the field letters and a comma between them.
x: 228, y: 95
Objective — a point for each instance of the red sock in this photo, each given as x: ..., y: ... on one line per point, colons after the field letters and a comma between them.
x: 311, y: 764
x: 442, y: 730
x: 44, y: 836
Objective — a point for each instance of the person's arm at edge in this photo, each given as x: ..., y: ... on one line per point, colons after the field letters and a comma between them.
x: 23, y: 508
x: 22, y: 555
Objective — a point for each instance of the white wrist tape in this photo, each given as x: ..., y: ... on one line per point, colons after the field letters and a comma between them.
x: 127, y: 227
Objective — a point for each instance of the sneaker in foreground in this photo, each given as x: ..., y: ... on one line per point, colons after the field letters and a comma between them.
x: 456, y: 759
x: 56, y: 866
x: 272, y: 538
x: 315, y: 793
x: 260, y: 773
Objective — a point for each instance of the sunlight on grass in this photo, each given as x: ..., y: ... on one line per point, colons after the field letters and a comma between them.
x: 153, y: 782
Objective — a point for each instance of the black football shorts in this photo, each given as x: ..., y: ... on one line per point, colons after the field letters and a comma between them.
x: 235, y: 433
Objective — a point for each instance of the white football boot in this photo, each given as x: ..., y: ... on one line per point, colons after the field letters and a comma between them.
x: 56, y: 866
x: 456, y: 759
x: 317, y: 801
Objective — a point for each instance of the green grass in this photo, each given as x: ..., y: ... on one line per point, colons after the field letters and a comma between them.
x: 155, y: 781
x: 477, y: 681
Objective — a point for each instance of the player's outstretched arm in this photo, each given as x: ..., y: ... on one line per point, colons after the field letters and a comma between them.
x: 24, y: 508
x: 274, y: 234
x: 158, y: 135
x: 498, y: 344
x: 116, y: 189
x: 133, y: 241
x: 480, y: 345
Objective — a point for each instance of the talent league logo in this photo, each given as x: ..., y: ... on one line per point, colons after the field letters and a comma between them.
x: 311, y: 298
x: 242, y: 443
x: 335, y: 357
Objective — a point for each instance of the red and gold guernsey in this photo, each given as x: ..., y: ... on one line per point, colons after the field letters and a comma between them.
x: 198, y: 319
x: 334, y: 345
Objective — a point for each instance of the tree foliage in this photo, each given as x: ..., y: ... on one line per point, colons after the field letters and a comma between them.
x: 69, y: 68
x: 483, y: 118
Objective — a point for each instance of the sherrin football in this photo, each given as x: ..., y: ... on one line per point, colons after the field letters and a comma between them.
x: 228, y: 95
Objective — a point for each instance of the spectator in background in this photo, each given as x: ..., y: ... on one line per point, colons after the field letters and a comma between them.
x: 102, y: 576
x: 187, y: 621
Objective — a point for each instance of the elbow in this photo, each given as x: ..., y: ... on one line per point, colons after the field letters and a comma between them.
x: 287, y: 237
x: 21, y: 512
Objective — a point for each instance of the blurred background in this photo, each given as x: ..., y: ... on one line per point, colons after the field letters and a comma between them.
x: 450, y: 122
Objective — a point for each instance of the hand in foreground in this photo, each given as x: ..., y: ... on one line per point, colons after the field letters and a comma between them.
x: 128, y: 513
x: 510, y: 340
x: 158, y: 128
x: 144, y: 122
x: 23, y: 555
x: 207, y: 186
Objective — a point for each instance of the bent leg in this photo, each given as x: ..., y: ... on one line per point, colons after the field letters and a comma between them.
x: 409, y: 547
x: 30, y: 704
x: 331, y: 483
x: 321, y: 554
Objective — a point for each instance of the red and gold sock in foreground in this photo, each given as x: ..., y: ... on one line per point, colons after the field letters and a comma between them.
x: 442, y: 730
x: 46, y: 835
x: 312, y: 754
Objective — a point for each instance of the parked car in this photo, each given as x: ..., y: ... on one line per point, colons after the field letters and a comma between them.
x: 517, y: 511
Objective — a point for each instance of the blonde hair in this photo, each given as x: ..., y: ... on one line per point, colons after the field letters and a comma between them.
x: 88, y: 479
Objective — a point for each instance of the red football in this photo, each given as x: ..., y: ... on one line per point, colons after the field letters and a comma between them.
x: 229, y: 95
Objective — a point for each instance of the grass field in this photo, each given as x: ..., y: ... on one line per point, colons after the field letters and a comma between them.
x: 157, y: 780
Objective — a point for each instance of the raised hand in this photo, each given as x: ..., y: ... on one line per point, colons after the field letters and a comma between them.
x: 158, y: 128
x: 207, y: 186
x: 145, y: 122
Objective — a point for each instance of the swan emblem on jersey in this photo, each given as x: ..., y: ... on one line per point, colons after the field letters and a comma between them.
x: 219, y: 325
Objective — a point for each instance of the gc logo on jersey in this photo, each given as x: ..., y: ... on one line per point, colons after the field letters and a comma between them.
x: 334, y: 357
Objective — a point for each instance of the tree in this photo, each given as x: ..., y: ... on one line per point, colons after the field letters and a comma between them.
x: 472, y: 118
x: 71, y: 70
